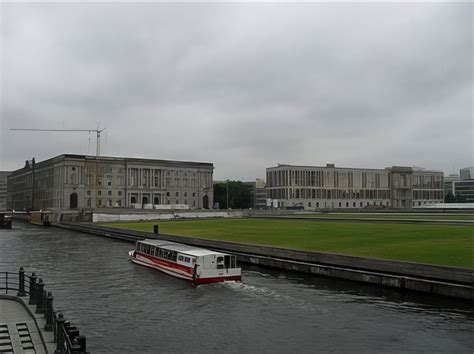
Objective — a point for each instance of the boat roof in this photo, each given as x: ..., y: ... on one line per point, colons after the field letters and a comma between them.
x: 179, y: 247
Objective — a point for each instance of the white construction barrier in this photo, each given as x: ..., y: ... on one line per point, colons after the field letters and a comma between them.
x: 105, y: 217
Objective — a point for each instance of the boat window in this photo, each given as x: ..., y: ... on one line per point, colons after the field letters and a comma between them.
x: 187, y: 259
x: 162, y: 253
x: 157, y: 251
x: 233, y: 263
x: 220, y: 259
x: 180, y: 258
x: 174, y: 255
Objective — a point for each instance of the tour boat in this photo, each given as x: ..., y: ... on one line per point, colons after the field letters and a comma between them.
x: 201, y: 266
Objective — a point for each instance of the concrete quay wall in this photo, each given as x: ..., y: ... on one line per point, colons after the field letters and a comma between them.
x: 432, y: 279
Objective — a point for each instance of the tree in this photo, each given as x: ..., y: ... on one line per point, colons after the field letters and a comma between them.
x: 449, y: 198
x: 240, y: 196
x: 459, y: 198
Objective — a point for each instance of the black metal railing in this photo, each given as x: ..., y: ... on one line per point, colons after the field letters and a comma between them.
x: 66, y: 336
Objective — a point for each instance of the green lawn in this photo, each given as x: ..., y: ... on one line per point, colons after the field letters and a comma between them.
x: 390, y: 216
x: 435, y: 244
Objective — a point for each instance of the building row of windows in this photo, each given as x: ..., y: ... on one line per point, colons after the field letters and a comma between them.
x: 428, y: 194
x: 157, y: 200
x: 427, y: 181
x: 338, y: 179
x: 106, y: 202
x: 104, y: 169
x: 346, y: 204
x: 99, y: 192
x: 360, y: 204
x: 312, y: 193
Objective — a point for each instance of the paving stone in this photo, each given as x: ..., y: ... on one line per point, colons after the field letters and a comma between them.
x: 36, y: 339
x: 39, y: 349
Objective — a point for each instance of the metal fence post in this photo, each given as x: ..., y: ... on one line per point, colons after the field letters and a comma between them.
x: 40, y: 297
x: 59, y: 335
x: 75, y: 347
x: 32, y: 290
x: 81, y: 340
x: 73, y: 333
x: 49, y: 312
x: 21, y: 283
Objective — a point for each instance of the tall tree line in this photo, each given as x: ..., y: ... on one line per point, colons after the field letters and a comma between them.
x: 238, y: 194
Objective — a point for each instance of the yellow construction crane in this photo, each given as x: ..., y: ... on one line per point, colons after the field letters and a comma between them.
x: 97, y: 131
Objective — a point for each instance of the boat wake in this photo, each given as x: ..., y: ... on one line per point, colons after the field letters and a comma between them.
x: 266, y: 294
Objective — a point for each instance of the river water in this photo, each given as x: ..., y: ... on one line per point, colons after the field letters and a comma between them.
x: 123, y: 307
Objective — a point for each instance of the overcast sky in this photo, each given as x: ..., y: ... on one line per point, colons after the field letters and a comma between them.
x: 245, y: 86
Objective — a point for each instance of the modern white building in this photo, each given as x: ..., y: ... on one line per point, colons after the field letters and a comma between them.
x: 331, y: 187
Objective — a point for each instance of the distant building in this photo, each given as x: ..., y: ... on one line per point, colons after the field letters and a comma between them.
x: 449, y: 183
x: 259, y: 193
x: 466, y: 173
x: 461, y: 186
x: 81, y: 181
x: 464, y: 190
x: 3, y: 190
x: 317, y: 187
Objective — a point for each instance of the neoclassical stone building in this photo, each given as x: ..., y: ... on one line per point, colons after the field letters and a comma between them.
x: 81, y: 181
x: 318, y: 187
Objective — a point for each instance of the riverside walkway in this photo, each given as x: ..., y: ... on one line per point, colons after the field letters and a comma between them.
x: 19, y: 329
x: 28, y: 322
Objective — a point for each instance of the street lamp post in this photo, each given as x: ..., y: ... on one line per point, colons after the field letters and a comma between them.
x: 227, y: 203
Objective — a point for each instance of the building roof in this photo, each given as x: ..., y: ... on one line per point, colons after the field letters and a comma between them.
x: 179, y: 247
x: 117, y: 159
x: 327, y: 166
x: 333, y: 166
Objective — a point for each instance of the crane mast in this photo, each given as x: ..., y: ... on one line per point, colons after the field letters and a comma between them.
x: 97, y: 131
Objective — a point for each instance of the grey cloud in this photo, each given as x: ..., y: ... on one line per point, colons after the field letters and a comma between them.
x: 242, y: 85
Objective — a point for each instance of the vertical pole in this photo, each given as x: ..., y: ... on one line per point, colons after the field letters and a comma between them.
x: 81, y: 340
x: 21, y: 282
x: 49, y: 313
x: 75, y: 347
x: 227, y: 203
x: 59, y: 335
x: 40, y: 297
x: 98, y: 143
x: 32, y: 290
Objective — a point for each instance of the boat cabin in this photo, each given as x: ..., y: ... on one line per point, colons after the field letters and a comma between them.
x: 197, y: 264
